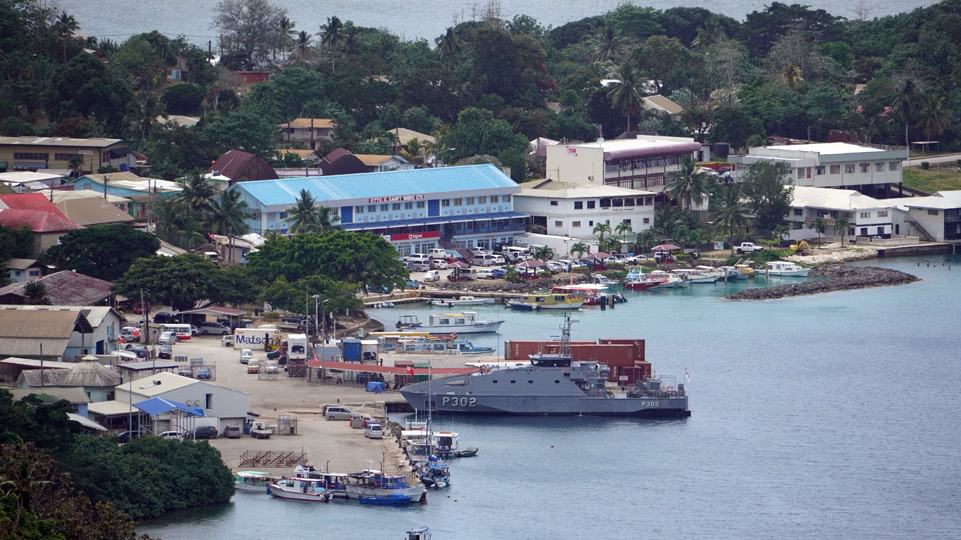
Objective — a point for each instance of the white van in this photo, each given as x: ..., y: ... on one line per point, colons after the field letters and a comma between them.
x: 417, y: 258
x: 481, y: 273
x: 167, y: 338
x: 482, y: 259
x: 438, y: 253
x: 374, y: 431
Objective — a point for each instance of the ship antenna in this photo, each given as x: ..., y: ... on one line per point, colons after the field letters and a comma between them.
x: 565, y: 345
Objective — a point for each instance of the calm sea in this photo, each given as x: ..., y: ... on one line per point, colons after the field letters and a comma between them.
x: 831, y: 416
x: 118, y: 19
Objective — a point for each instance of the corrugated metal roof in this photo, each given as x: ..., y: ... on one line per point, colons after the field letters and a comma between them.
x: 160, y: 383
x: 73, y: 395
x: 379, y: 184
x: 319, y: 123
x: 25, y: 324
x: 59, y: 141
x: 92, y: 211
x: 837, y: 199
x: 64, y: 288
x: 85, y: 422
x: 111, y: 408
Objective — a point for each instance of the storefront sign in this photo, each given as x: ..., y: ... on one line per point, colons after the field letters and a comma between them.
x: 414, y: 236
x: 395, y: 198
x: 571, y: 150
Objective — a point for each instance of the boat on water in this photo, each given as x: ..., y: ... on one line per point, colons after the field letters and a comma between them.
x: 550, y: 384
x: 464, y: 346
x: 300, y: 489
x: 693, y: 275
x: 374, y: 483
x: 668, y: 280
x: 712, y: 271
x: 731, y: 273
x: 449, y: 323
x: 601, y: 279
x: 745, y: 270
x: 590, y: 293
x: 253, y: 481
x: 638, y: 281
x: 467, y: 452
x: 785, y: 269
x: 434, y: 473
x: 421, y: 533
x: 461, y: 301
x: 334, y: 483
x: 443, y: 443
x: 388, y: 500
x: 539, y: 301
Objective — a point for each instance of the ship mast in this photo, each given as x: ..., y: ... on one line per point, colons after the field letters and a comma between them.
x: 565, y: 345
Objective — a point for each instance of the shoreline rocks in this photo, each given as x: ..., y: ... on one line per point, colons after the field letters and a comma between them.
x: 836, y: 277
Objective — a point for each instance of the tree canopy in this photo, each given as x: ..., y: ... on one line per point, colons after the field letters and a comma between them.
x: 102, y: 251
x: 768, y: 191
x: 179, y: 282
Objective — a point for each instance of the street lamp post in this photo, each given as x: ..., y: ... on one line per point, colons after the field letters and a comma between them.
x: 318, y: 314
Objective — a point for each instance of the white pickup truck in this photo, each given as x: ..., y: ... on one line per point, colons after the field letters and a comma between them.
x: 748, y: 247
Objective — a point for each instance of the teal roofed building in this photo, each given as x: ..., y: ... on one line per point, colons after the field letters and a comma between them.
x: 416, y: 210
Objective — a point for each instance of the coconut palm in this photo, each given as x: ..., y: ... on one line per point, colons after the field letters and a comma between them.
x: 197, y: 193
x: 623, y: 229
x: 303, y: 46
x: 841, y: 226
x: 285, y: 34
x: 601, y: 230
x: 580, y: 249
x: 780, y: 232
x: 35, y: 293
x: 414, y: 151
x: 933, y: 116
x: 688, y: 185
x: 731, y: 213
x: 331, y: 36
x: 819, y: 225
x: 625, y: 95
x: 791, y: 75
x: 645, y: 240
x: 351, y: 38
x: 307, y: 216
x: 906, y: 107
x: 605, y: 44
x: 228, y: 217
x: 65, y: 25
x: 543, y: 253
x: 449, y: 46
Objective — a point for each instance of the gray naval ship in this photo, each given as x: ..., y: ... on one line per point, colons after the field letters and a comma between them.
x: 552, y: 385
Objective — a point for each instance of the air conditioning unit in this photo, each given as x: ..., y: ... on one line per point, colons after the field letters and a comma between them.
x: 590, y: 178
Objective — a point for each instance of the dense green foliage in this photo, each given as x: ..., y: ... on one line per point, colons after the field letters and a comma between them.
x: 182, y: 281
x: 102, y: 251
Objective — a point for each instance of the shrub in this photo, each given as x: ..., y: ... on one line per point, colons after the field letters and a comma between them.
x: 546, y: 274
x: 581, y: 270
x: 183, y: 98
x: 614, y: 266
x: 616, y: 274
x: 683, y: 256
x: 270, y: 315
x: 925, y: 165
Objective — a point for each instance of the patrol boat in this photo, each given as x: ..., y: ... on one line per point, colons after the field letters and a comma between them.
x: 553, y: 384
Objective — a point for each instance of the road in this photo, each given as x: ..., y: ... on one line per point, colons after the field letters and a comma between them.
x: 916, y: 162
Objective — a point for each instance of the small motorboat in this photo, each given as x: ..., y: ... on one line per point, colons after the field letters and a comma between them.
x: 467, y: 452
x: 785, y: 269
x: 253, y: 481
x: 386, y: 500
x: 461, y: 301
x: 539, y: 301
x: 300, y: 489
x: 434, y: 473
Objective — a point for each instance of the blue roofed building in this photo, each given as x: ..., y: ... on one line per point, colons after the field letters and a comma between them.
x: 416, y: 210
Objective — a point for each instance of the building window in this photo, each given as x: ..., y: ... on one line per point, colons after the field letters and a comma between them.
x: 469, y: 200
x: 865, y: 215
x: 420, y: 204
x: 590, y: 223
x: 558, y: 223
x: 893, y: 165
x: 879, y: 166
x: 445, y: 202
x: 819, y: 170
x: 553, y: 203
x: 578, y: 205
x: 384, y: 207
x: 30, y: 155
x: 647, y: 220
x: 591, y: 204
x: 628, y: 202
x: 481, y: 200
x: 493, y: 198
x: 849, y: 168
x: 575, y: 224
x: 64, y: 157
x: 798, y: 211
x: 283, y: 215
x: 408, y: 206
x: 882, y: 213
x: 627, y: 221
x: 865, y: 167
x: 209, y: 399
x: 371, y: 208
x: 358, y: 209
x: 800, y: 173
x: 932, y: 212
x: 395, y: 206
x: 458, y: 202
x: 835, y: 169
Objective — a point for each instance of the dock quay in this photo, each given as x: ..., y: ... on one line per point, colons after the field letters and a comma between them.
x: 424, y: 295
x: 918, y: 249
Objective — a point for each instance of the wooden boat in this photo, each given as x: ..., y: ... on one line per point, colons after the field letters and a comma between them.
x: 253, y: 481
x: 693, y: 275
x: 467, y: 452
x: 375, y: 484
x: 300, y: 489
x: 745, y: 270
x: 539, y: 301
x: 334, y: 483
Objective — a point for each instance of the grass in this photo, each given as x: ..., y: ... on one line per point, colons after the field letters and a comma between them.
x: 945, y: 177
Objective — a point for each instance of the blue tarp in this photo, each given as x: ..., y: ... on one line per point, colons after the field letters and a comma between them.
x: 156, y: 406
x: 375, y: 387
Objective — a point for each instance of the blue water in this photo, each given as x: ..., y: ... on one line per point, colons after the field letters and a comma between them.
x: 830, y: 416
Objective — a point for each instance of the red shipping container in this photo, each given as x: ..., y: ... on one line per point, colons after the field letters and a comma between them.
x: 629, y: 375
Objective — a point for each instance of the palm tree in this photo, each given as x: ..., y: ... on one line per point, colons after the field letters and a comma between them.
x: 303, y: 45
x: 285, y: 34
x: 197, y: 193
x: 351, y: 38
x: 623, y: 228
x: 841, y: 225
x: 819, y: 225
x: 688, y: 185
x: 326, y: 219
x: 645, y: 240
x: 228, y: 217
x: 331, y: 36
x: 605, y: 45
x: 543, y: 253
x: 449, y: 46
x: 600, y: 231
x: 35, y: 293
x: 414, y: 152
x: 65, y: 26
x: 906, y: 107
x: 731, y: 214
x: 780, y: 232
x: 144, y: 110
x: 625, y: 96
x: 303, y: 218
x: 791, y: 75
x: 580, y: 249
x: 933, y: 118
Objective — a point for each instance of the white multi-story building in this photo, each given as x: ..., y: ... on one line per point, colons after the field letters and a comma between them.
x: 867, y: 216
x: 642, y: 163
x: 939, y: 215
x: 573, y: 210
x: 867, y: 169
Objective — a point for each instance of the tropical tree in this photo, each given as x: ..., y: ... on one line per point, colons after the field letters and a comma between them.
x: 906, y: 107
x: 933, y: 116
x: 791, y: 75
x: 285, y: 33
x: 688, y: 185
x: 780, y: 232
x: 623, y: 229
x: 601, y: 231
x: 449, y: 46
x: 331, y: 36
x: 228, y: 216
x: 101, y: 251
x: 65, y: 25
x: 841, y: 226
x: 731, y: 213
x: 645, y: 240
x: 35, y: 293
x: 819, y: 225
x: 351, y: 38
x: 303, y: 46
x: 543, y: 253
x: 625, y: 95
x: 697, y: 237
x: 308, y: 216
x: 605, y: 45
x: 681, y: 235
x: 580, y: 249
x: 197, y: 192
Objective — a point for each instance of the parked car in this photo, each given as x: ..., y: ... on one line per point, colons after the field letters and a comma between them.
x: 140, y: 350
x: 212, y: 328
x: 126, y: 436
x: 205, y: 432
x: 232, y: 432
x: 336, y: 412
x: 498, y: 259
x: 418, y: 266
x: 412, y: 284
x: 438, y: 264
x: 245, y: 355
x: 417, y: 258
x: 555, y: 267
x: 274, y: 354
x: 227, y: 341
x: 270, y: 367
x: 433, y: 275
x: 253, y: 365
x: 498, y: 273
x: 204, y: 373
x: 162, y: 317
x: 166, y: 352
x: 172, y: 435
x: 374, y: 431
x: 167, y: 338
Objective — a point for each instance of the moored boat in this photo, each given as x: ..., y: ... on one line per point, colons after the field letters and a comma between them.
x: 387, y: 500
x: 300, y: 489
x: 334, y: 483
x: 693, y: 275
x: 461, y: 301
x: 467, y: 452
x: 590, y: 293
x: 253, y: 481
x: 668, y: 281
x: 539, y: 301
x: 434, y: 473
x: 449, y: 323
x: 374, y: 483
x: 785, y: 269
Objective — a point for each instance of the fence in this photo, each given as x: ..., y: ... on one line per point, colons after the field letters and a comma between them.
x: 272, y: 459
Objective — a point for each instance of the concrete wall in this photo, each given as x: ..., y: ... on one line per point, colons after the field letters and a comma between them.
x: 932, y: 221
x: 229, y: 405
x: 570, y: 163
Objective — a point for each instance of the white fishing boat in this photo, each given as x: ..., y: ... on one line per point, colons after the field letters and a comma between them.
x: 374, y: 483
x: 253, y: 481
x: 461, y: 301
x: 717, y: 273
x: 334, y: 483
x: 300, y: 489
x: 785, y: 269
x: 693, y: 275
x: 449, y: 323
x: 667, y: 280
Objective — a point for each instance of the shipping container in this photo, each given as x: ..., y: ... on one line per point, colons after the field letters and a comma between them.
x: 351, y: 350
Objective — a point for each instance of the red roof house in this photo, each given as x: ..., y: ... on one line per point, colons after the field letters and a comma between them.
x: 242, y: 166
x: 35, y: 211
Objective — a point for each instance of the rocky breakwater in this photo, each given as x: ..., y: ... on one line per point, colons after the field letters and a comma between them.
x: 833, y: 277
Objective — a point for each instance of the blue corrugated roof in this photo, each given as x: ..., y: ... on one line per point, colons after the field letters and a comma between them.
x: 430, y: 220
x: 155, y: 406
x: 378, y: 184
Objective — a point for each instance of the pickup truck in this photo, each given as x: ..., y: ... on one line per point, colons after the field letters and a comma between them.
x: 748, y: 247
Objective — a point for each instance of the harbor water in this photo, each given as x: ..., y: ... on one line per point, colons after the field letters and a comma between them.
x: 828, y: 416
